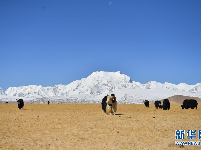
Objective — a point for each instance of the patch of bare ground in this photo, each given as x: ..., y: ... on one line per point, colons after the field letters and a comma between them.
x: 86, y: 126
x: 178, y: 99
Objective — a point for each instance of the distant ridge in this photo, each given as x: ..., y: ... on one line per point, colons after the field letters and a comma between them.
x: 93, y: 88
x: 178, y: 99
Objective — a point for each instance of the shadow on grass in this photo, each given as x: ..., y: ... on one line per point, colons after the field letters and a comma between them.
x: 119, y: 114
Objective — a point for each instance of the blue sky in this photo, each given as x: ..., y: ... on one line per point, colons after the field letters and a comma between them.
x: 49, y: 42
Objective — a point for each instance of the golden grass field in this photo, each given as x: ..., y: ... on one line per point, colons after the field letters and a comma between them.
x: 86, y: 126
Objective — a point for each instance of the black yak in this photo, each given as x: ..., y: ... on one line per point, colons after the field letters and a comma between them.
x: 20, y: 103
x: 157, y: 104
x: 166, y: 104
x: 146, y: 103
x: 189, y: 103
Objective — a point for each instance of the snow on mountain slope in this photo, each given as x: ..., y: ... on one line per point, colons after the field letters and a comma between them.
x: 93, y: 88
x: 1, y: 91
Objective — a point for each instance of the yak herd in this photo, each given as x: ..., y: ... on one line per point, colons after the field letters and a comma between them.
x: 165, y: 106
x: 109, y: 104
x: 187, y: 103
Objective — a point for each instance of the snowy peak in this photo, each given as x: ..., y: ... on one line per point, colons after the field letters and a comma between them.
x: 115, y: 77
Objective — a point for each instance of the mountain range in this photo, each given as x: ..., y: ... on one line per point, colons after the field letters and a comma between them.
x: 93, y: 88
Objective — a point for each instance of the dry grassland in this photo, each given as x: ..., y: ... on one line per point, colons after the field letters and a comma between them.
x: 85, y: 126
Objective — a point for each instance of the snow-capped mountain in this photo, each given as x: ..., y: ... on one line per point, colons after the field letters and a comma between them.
x: 93, y: 88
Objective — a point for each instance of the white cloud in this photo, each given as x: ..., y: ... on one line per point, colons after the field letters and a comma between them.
x: 110, y: 3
